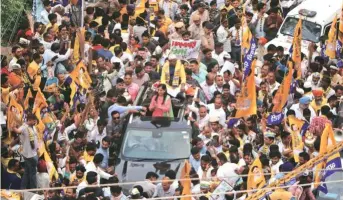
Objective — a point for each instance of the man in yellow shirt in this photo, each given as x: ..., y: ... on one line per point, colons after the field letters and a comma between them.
x: 34, y: 72
x: 319, y: 100
x: 53, y: 23
x: 173, y: 73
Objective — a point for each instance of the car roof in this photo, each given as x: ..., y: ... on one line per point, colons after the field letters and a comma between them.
x: 326, y: 10
x: 161, y: 122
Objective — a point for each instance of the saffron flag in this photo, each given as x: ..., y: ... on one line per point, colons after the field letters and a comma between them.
x: 15, y: 114
x: 282, y: 93
x: 186, y: 184
x: 43, y: 154
x: 40, y: 126
x: 341, y: 21
x: 297, y: 143
x: 27, y: 99
x: 297, y: 124
x: 247, y: 36
x: 40, y: 102
x: 296, y: 47
x: 246, y: 101
x: 80, y: 76
x: 332, y: 164
x: 256, y: 178
x: 331, y: 43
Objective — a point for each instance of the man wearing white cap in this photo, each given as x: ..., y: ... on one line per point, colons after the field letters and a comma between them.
x: 173, y: 73
x: 228, y: 65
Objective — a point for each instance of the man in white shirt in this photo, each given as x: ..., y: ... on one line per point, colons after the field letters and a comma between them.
x: 45, y: 13
x: 223, y: 35
x: 236, y: 40
x: 204, y: 171
x: 259, y: 19
x: 29, y: 141
x: 95, y: 167
x: 206, y: 134
x: 147, y: 185
x: 165, y: 189
x: 169, y: 7
x: 218, y: 53
x: 216, y: 110
x: 304, y: 102
x: 218, y: 86
x: 202, y: 116
x: 206, y: 86
x: 273, y: 85
x: 228, y: 65
x: 54, y: 56
x: 228, y: 172
x: 17, y: 53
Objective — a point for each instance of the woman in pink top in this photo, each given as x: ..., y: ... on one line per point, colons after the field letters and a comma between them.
x: 160, y: 105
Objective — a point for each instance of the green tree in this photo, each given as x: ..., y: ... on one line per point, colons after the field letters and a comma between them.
x: 12, y: 16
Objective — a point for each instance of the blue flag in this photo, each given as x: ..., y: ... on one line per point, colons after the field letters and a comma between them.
x: 338, y: 53
x: 333, y: 165
x: 275, y: 118
x: 249, y: 57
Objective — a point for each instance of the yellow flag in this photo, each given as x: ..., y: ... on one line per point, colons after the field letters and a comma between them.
x: 186, y: 184
x: 76, y: 52
x: 73, y: 88
x: 140, y: 7
x: 294, y: 122
x: 40, y: 102
x: 246, y: 102
x: 331, y: 43
x: 247, y: 36
x: 327, y: 140
x: 27, y: 99
x: 80, y: 76
x: 297, y: 144
x: 296, y: 54
x: 40, y: 125
x: 14, y: 115
x: 341, y: 21
x: 49, y: 164
x: 281, y: 95
x: 256, y: 178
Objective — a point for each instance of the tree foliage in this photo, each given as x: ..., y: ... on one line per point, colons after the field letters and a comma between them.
x: 12, y: 15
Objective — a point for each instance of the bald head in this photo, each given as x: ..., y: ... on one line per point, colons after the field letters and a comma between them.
x: 166, y: 183
x: 210, y: 78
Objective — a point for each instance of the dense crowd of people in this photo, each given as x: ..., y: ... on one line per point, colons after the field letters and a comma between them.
x: 74, y: 72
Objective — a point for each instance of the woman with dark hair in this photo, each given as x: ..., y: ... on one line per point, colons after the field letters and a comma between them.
x: 160, y: 105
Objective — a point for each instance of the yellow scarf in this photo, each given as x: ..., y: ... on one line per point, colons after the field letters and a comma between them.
x: 87, y: 157
x: 177, y: 73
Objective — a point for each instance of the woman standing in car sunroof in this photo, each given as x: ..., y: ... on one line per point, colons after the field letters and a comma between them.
x: 160, y: 105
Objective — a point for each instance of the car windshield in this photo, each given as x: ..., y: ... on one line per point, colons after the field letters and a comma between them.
x: 310, y: 31
x: 156, y: 144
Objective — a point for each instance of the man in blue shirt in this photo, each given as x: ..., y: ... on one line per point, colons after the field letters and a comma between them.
x: 123, y: 110
x: 10, y: 178
x: 103, y: 149
x: 104, y: 52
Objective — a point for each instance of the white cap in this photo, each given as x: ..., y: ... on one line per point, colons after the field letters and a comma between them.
x: 172, y: 57
x: 307, y: 84
x: 299, y: 90
x: 214, y: 118
x: 227, y: 56
x: 258, y: 63
x: 14, y: 66
x: 158, y: 50
x: 333, y: 67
